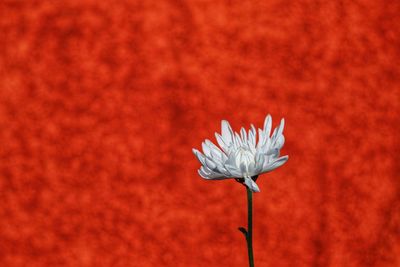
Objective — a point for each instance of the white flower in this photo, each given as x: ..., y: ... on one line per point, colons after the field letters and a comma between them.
x: 240, y: 155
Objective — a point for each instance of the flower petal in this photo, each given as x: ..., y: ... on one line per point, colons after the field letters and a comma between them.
x: 210, y: 163
x: 278, y: 130
x: 231, y: 159
x: 279, y: 142
x: 215, y: 150
x: 243, y: 135
x: 251, y: 184
x: 261, y: 138
x: 264, y: 148
x: 267, y: 125
x: 222, y: 143
x: 252, y: 137
x: 199, y: 156
x: 273, y: 153
x: 275, y: 164
x: 260, y: 158
x: 243, y: 168
x: 226, y: 132
x: 210, y: 175
x: 281, y: 126
x: 206, y: 149
x: 235, y: 172
x: 222, y: 169
x: 252, y: 167
x: 238, y: 140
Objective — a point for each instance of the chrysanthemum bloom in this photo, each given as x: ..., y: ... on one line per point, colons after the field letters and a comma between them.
x: 240, y: 156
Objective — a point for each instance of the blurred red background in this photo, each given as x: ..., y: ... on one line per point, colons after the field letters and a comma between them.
x: 101, y: 103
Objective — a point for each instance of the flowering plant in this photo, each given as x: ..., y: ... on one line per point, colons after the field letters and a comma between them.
x: 240, y: 157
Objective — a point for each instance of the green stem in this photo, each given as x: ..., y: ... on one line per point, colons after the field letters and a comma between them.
x: 249, y: 235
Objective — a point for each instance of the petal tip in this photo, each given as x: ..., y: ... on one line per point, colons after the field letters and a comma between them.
x: 201, y: 175
x: 224, y: 123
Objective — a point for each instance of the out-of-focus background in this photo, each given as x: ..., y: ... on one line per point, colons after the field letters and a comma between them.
x: 101, y: 103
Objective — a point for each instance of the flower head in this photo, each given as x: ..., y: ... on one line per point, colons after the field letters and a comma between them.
x: 240, y: 156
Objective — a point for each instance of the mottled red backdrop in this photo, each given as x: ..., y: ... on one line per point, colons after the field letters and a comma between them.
x: 101, y: 103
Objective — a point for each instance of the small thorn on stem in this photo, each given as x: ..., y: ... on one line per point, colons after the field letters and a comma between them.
x: 243, y: 230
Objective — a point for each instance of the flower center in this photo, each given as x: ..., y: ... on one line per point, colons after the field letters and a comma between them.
x: 244, y: 156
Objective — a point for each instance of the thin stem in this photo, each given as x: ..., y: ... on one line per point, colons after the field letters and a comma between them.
x: 249, y: 235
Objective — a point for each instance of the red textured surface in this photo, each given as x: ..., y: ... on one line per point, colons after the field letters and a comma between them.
x: 102, y: 101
